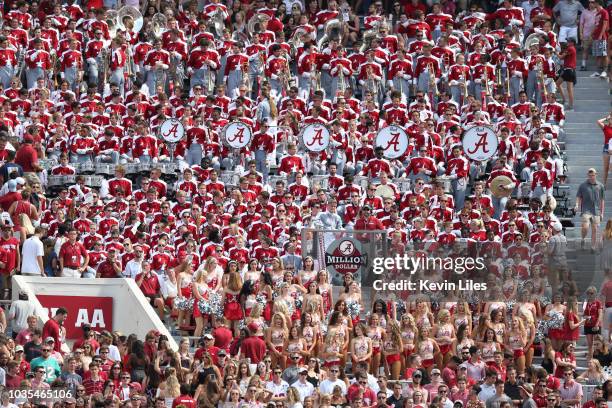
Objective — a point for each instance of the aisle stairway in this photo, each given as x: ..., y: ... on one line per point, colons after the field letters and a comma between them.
x: 583, y: 146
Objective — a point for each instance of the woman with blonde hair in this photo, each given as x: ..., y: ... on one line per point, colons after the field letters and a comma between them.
x: 516, y: 340
x: 200, y: 292
x: 409, y: 331
x: 594, y: 374
x: 276, y: 338
x: 530, y: 331
x: 170, y: 388
x: 444, y: 334
x: 293, y: 398
x: 392, y: 349
x: 278, y: 270
x: 256, y: 317
x: 422, y: 313
x: 232, y: 309
x: 462, y: 315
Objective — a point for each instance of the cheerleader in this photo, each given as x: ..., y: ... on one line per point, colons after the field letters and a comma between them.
x: 325, y: 289
x: 337, y: 324
x: 516, y: 340
x: 380, y: 308
x: 489, y: 347
x: 313, y: 302
x: 276, y: 338
x: 332, y: 351
x: 311, y: 334
x: 462, y: 316
x: 444, y: 334
x: 392, y: 349
x: 422, y: 315
x: 530, y: 331
x: 296, y: 346
x: 376, y: 334
x: 361, y: 347
x: 427, y: 348
x: 353, y: 301
x: 200, y: 292
x: 264, y: 288
x: 213, y: 274
x: 556, y: 311
x: 497, y: 324
x: 255, y: 317
x: 308, y: 274
x: 184, y: 303
x: 409, y: 332
x: 463, y: 340
x: 232, y: 309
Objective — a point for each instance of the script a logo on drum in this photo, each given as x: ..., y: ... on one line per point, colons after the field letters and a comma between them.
x: 394, y: 142
x: 481, y: 143
x: 172, y: 131
x: 237, y: 137
x: 317, y: 138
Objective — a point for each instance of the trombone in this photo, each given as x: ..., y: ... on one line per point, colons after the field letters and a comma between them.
x: 540, y: 74
x: 433, y: 87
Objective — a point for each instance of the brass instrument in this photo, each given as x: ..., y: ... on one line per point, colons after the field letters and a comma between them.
x: 217, y: 24
x: 342, y: 85
x: 465, y: 86
x: 433, y: 87
x: 246, y: 80
x: 20, y: 62
x: 159, y: 23
x: 286, y: 74
x: 129, y: 19
x: 508, y: 84
x: 540, y: 75
x: 255, y: 23
x: 485, y: 78
x: 53, y: 71
x: 371, y: 85
x: 333, y: 29
x: 498, y: 80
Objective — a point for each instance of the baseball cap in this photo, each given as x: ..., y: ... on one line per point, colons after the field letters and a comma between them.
x: 18, y: 348
x: 12, y: 186
x: 221, y: 353
x: 27, y: 138
x: 303, y: 371
x: 435, y: 371
x: 208, y: 336
x: 557, y: 227
x: 20, y: 180
x: 49, y: 340
x: 592, y: 171
x: 252, y: 327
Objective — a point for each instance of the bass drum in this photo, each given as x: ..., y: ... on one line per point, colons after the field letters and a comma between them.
x: 236, y: 135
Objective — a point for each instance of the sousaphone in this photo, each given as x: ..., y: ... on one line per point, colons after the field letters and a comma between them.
x: 384, y: 191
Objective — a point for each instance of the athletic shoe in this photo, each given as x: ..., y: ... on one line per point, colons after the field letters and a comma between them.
x: 583, y: 68
x: 604, y: 74
x: 595, y: 75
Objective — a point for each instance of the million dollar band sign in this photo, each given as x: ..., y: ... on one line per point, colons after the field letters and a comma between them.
x: 393, y: 140
x: 315, y: 137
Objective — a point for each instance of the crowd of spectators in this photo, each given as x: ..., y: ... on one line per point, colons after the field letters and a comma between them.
x: 214, y: 237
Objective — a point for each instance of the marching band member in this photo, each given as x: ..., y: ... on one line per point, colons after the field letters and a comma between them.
x: 307, y: 70
x: 72, y: 65
x: 201, y: 64
x: 400, y: 75
x: 517, y: 71
x: 458, y: 79
x: 427, y: 71
x: 38, y: 62
x: 156, y: 64
x: 341, y: 72
x: 8, y: 62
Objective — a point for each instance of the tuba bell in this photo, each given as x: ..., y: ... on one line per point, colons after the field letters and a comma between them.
x: 159, y: 23
x: 216, y: 23
x: 533, y: 39
x: 332, y: 30
x: 112, y: 20
x: 255, y: 23
x: 368, y: 36
x: 129, y: 19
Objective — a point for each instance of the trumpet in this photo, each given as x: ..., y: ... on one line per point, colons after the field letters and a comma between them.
x: 371, y: 83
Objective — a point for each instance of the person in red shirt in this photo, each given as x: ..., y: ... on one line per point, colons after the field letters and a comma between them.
x: 593, y: 316
x: 253, y: 347
x: 185, y: 399
x: 52, y: 328
x: 223, y: 336
x: 606, y: 125
x: 600, y: 39
x: 11, y: 257
x: 73, y: 257
x: 568, y: 75
x: 367, y: 221
x: 148, y: 282
x: 27, y: 156
x: 110, y: 267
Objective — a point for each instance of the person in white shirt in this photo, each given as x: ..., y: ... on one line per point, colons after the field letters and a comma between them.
x: 19, y: 312
x: 134, y: 266
x: 6, y: 401
x: 305, y: 388
x: 33, y: 252
x: 327, y: 386
x: 278, y: 386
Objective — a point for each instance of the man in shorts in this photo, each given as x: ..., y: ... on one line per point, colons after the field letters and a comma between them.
x: 600, y: 40
x: 566, y: 14
x: 590, y: 201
